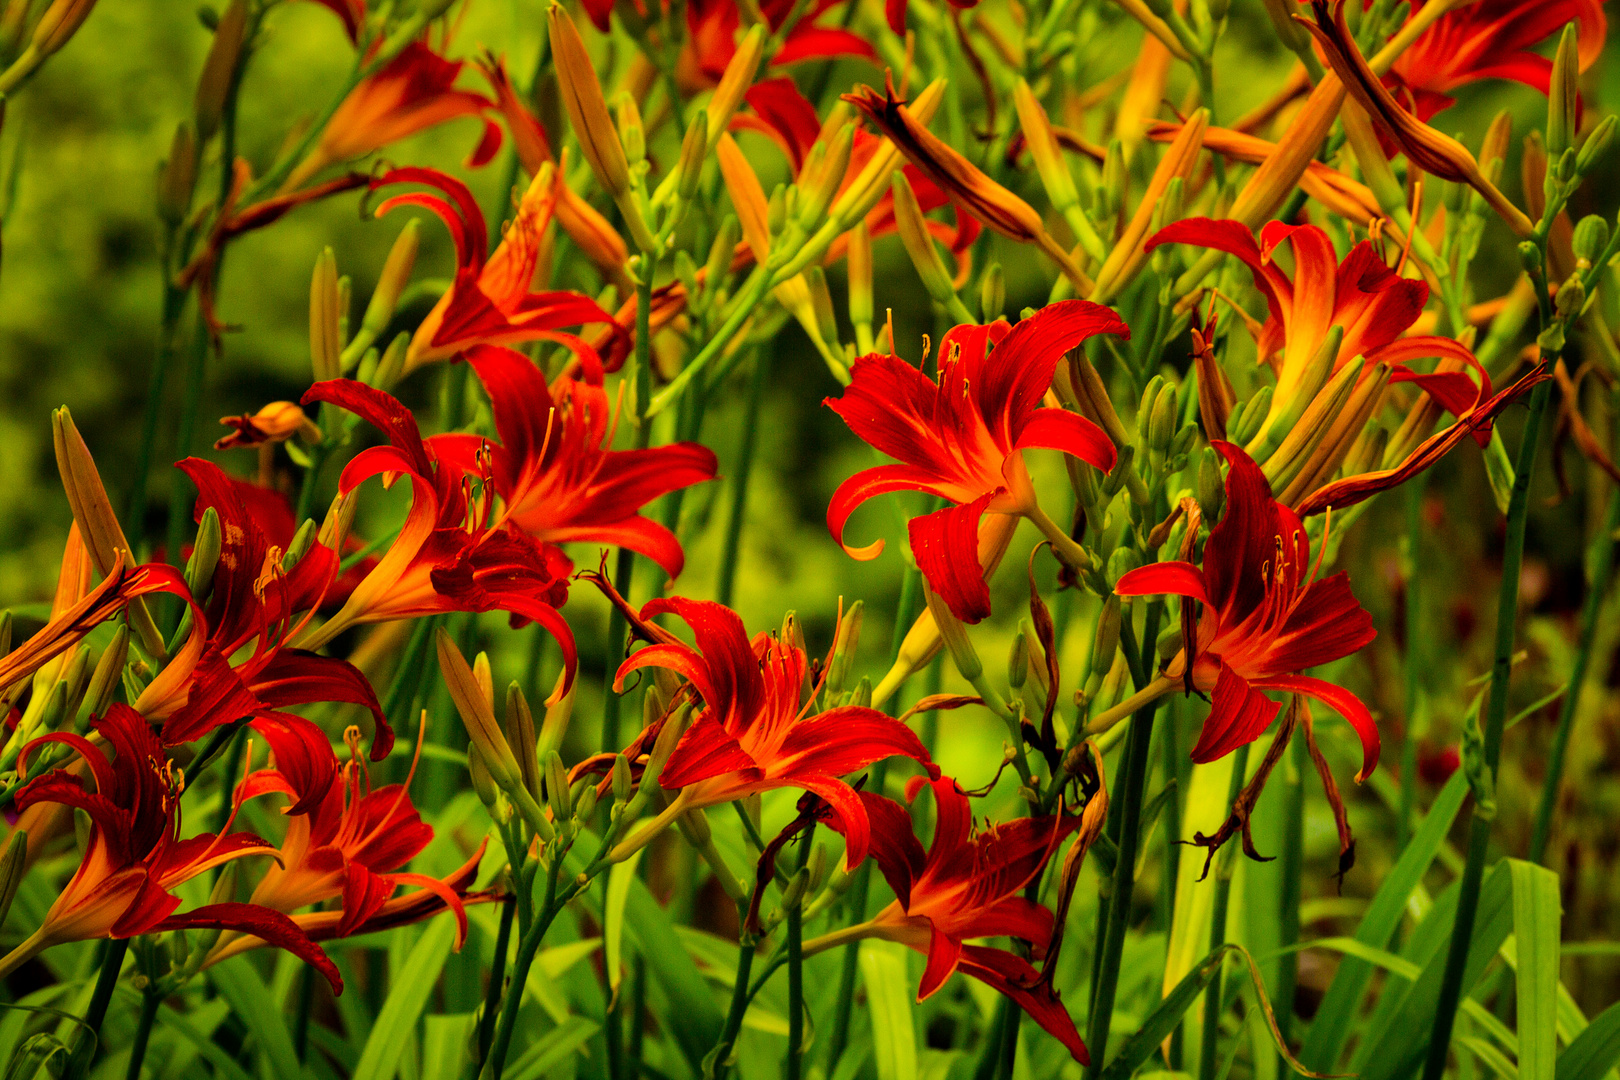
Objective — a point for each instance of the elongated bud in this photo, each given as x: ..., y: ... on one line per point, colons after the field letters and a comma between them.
x: 1290, y: 402
x: 913, y: 228
x: 1211, y: 490
x: 1128, y: 255
x: 521, y: 737
x: 735, y: 81
x: 1122, y: 562
x: 58, y: 25
x: 483, y: 783
x: 325, y: 311
x: 718, y: 264
x: 1563, y: 94
x: 98, y: 525
x: 849, y: 640
x: 587, y: 108
x: 1106, y: 641
x: 632, y: 135
x: 13, y: 864
x: 1043, y: 147
x: 819, y: 185
x: 664, y: 745
x: 860, y: 275
x: 621, y: 779
x: 1144, y: 408
x: 558, y: 796
x: 204, y: 555
x: 219, y: 69
x: 1018, y: 662
x: 1595, y: 146
x: 818, y: 868
x: 1162, y: 422
x: 473, y: 704
x: 104, y: 680
x: 694, y: 151
x: 992, y: 293
x: 955, y: 636
x: 559, y: 711
x: 797, y: 885
x: 396, y: 274
x: 299, y: 546
x: 585, y: 804
x: 178, y: 176
x: 863, y: 192
x: 862, y: 696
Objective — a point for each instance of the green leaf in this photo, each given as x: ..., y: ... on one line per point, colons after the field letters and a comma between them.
x: 412, y: 984
x: 1492, y: 1058
x: 548, y: 1051
x: 221, y: 1061
x: 1162, y: 1020
x: 444, y: 1044
x: 1595, y: 1051
x: 889, y: 996
x: 238, y: 982
x: 1536, y: 925
x: 1331, y: 1028
x: 619, y: 880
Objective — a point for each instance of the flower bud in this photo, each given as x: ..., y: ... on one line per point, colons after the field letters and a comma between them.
x: 664, y: 745
x: 819, y: 184
x: 1169, y: 643
x: 797, y: 885
x: 587, y: 108
x: 621, y: 779
x: 219, y: 69
x: 1570, y: 298
x: 396, y: 274
x: 1211, y: 489
x: 558, y: 797
x: 204, y: 556
x: 299, y: 546
x: 1144, y: 408
x: 1018, y: 662
x: 521, y: 738
x: 735, y: 81
x: 585, y: 804
x: 849, y: 641
x: 992, y: 293
x: 1106, y: 640
x: 913, y: 228
x: 1048, y: 156
x: 860, y: 276
x: 104, y: 680
x: 818, y: 868
x: 718, y: 264
x: 325, y: 310
x: 1245, y: 421
x: 955, y: 635
x: 862, y: 696
x: 559, y: 712
x: 632, y: 136
x: 1290, y: 402
x: 1162, y: 422
x: 1563, y: 94
x: 58, y: 25
x: 178, y: 176
x: 1591, y: 237
x: 483, y: 783
x: 1122, y: 562
x: 694, y: 152
x: 1595, y: 146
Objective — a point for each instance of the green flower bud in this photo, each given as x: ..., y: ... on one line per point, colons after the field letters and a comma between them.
x: 621, y: 779
x: 521, y: 737
x: 1211, y: 490
x: 955, y: 635
x: 1162, y: 421
x: 396, y: 274
x: 1595, y: 146
x: 849, y: 640
x: 1018, y: 662
x: 1122, y: 562
x: 1591, y: 237
x: 1563, y: 94
x: 178, y: 176
x: 1106, y: 640
x: 558, y: 797
x: 109, y: 667
x: 992, y: 293
x: 204, y: 556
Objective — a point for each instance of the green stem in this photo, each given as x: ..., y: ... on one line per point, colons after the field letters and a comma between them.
x: 1210, y: 1039
x: 528, y: 948
x: 737, y: 513
x: 180, y: 494
x: 143, y: 1031
x: 1293, y: 861
x: 1599, y: 568
x: 497, y: 976
x: 174, y: 301
x: 89, y: 1038
x: 718, y: 1065
x: 306, y: 999
x: 1414, y: 547
x: 1133, y: 782
x: 794, y: 1067
x: 1507, y: 606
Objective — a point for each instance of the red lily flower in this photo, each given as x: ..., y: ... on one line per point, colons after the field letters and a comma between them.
x: 1372, y: 304
x: 253, y: 600
x: 963, y: 438
x: 712, y: 26
x: 447, y: 557
x: 557, y: 480
x: 490, y: 301
x: 966, y: 886
x: 344, y: 838
x: 756, y: 731
x: 1490, y: 39
x: 135, y: 855
x: 1266, y: 617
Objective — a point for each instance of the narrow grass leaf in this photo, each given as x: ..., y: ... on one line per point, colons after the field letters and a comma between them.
x: 618, y: 894
x: 1492, y: 1058
x: 181, y: 1025
x: 1331, y: 1028
x: 238, y: 982
x: 397, y: 1018
x: 546, y: 1053
x: 1537, y: 922
x: 1595, y: 1050
x: 889, y: 995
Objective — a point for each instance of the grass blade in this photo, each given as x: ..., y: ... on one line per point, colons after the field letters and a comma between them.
x: 1595, y: 1050
x: 1536, y: 925
x: 399, y: 1013
x: 889, y: 994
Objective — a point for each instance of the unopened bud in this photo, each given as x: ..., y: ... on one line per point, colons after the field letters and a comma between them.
x: 1106, y: 641
x: 178, y: 176
x: 735, y: 81
x: 1245, y: 422
x: 621, y: 779
x: 793, y: 895
x: 204, y: 555
x: 992, y: 293
x: 862, y: 696
x: 104, y: 680
x: 559, y: 713
x: 1595, y: 146
x: 325, y: 311
x: 1570, y: 298
x: 558, y: 796
x: 396, y: 274
x: 219, y: 69
x: 13, y: 864
x: 1122, y: 562
x: 1211, y: 490
x: 1591, y: 237
x: 694, y: 152
x: 664, y: 745
x: 860, y: 275
x: 1043, y: 147
x: 483, y: 783
x: 849, y: 640
x: 1162, y: 422
x: 1018, y: 662
x: 299, y: 545
x: 632, y: 136
x: 585, y: 804
x: 587, y: 108
x: 521, y: 737
x: 955, y: 636
x: 819, y: 184
x: 1563, y: 94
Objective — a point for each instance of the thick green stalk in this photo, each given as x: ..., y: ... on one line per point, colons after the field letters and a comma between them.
x: 528, y: 948
x: 150, y: 1000
x: 747, y: 444
x: 306, y: 1000
x: 1599, y: 568
x: 718, y: 1066
x: 497, y: 976
x: 89, y: 1037
x: 1129, y: 790
x: 794, y: 1067
x: 1507, y: 607
x: 1211, y: 1038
